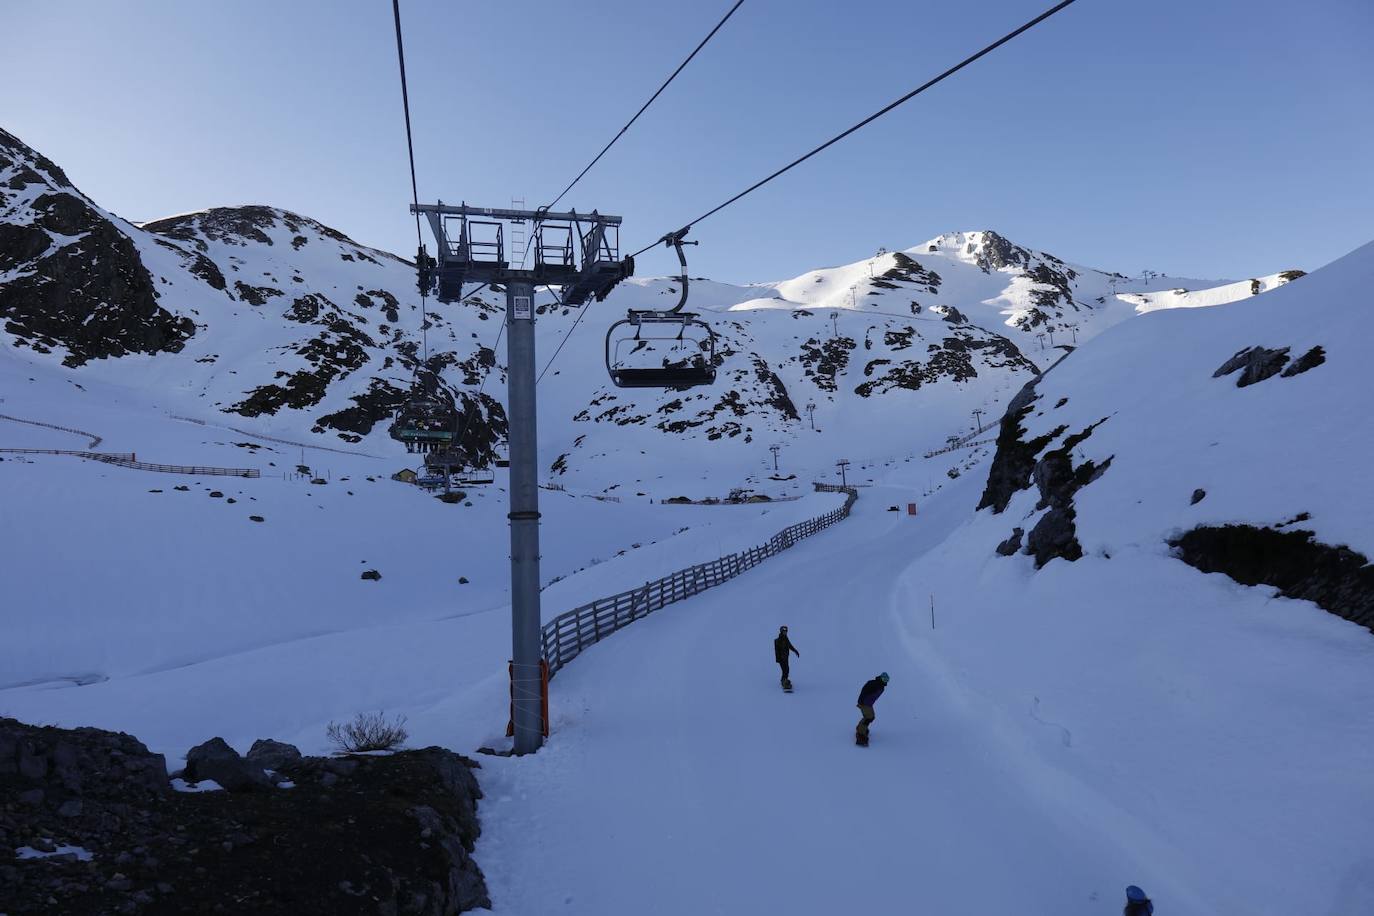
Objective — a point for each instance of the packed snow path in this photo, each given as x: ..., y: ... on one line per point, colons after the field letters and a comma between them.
x: 681, y: 779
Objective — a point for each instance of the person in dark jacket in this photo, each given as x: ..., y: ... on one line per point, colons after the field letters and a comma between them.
x: 867, y: 697
x: 781, y: 646
x: 1137, y: 904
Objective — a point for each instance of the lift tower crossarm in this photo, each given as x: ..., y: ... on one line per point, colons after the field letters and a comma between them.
x: 583, y: 256
x: 500, y: 213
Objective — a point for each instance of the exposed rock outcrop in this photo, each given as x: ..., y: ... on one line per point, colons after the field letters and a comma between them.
x: 102, y: 832
x: 1014, y: 460
x: 1309, y: 360
x: 216, y: 760
x: 1256, y: 365
x: 1019, y: 462
x: 77, y: 280
x: 1294, y: 562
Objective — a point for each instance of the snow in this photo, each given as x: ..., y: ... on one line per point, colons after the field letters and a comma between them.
x: 679, y: 760
x: 1184, y: 298
x: 28, y: 852
x: 188, y: 620
x: 205, y: 785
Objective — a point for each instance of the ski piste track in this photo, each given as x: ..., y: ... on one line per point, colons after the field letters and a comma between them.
x: 679, y: 778
x: 291, y: 442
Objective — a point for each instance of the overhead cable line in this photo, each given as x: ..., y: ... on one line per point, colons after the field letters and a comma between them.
x: 414, y: 187
x: 597, y: 159
x: 420, y: 254
x: 559, y: 348
x: 868, y: 120
x: 643, y: 107
x: 470, y: 414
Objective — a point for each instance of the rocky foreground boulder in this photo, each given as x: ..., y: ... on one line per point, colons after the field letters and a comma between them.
x: 91, y: 824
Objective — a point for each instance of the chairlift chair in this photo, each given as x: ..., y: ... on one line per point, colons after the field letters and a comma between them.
x: 693, y: 360
x: 473, y: 477
x: 425, y: 424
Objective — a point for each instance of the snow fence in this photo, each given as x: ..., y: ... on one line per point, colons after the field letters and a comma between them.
x: 95, y: 440
x: 126, y: 460
x: 568, y: 634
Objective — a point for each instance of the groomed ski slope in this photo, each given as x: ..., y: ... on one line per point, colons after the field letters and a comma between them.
x: 681, y: 780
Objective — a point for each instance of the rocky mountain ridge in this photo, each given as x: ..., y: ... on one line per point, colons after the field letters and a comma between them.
x: 272, y: 316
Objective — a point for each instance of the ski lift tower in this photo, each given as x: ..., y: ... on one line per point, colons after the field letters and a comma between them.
x: 579, y: 252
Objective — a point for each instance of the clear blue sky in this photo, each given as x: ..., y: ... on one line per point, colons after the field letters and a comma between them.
x: 1205, y: 139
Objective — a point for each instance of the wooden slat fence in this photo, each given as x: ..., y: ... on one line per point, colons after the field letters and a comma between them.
x: 126, y: 460
x: 567, y: 635
x: 94, y: 456
x: 194, y: 470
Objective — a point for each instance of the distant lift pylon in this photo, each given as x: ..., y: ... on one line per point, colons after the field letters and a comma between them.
x: 691, y: 357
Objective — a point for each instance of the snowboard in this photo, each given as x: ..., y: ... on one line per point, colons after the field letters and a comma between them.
x: 786, y: 686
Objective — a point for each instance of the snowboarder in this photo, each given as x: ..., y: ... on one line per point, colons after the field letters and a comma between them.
x: 867, y: 697
x: 1137, y: 904
x: 781, y: 646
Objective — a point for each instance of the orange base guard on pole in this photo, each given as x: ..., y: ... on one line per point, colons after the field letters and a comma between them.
x: 543, y: 697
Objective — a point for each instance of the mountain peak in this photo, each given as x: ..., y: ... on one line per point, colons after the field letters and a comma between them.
x: 983, y: 247
x: 31, y: 166
x: 256, y: 223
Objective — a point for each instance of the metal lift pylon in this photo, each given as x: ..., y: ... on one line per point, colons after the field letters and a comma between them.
x: 580, y: 253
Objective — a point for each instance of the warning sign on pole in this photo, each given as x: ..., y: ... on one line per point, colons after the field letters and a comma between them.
x: 522, y: 307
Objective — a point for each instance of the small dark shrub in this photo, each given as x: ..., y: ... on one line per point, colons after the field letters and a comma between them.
x: 369, y: 731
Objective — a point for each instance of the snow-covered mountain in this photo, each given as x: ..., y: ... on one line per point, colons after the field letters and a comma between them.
x: 1199, y: 432
x: 1126, y: 626
x: 254, y: 314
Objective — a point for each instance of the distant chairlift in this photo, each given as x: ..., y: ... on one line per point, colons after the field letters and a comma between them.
x: 426, y: 424
x: 473, y: 477
x: 690, y: 343
x: 450, y: 466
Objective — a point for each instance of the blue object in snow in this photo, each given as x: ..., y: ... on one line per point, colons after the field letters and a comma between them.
x: 1137, y: 904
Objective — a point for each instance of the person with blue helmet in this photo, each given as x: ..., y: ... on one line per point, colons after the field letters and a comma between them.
x: 867, y: 697
x: 1137, y: 904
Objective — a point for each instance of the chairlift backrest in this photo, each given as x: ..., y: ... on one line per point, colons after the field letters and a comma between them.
x: 697, y: 368
x: 685, y: 371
